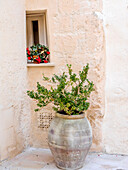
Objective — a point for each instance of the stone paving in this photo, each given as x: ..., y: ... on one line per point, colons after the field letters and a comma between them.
x: 41, y: 159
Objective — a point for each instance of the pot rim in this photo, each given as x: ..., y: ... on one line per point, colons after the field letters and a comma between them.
x: 81, y: 116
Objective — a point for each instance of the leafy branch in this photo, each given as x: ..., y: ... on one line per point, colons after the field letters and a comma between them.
x: 71, y: 94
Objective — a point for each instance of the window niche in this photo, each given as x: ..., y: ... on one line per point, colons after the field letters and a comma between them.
x: 36, y: 33
x: 36, y: 29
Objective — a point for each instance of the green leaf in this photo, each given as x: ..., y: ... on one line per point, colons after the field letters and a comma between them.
x: 36, y: 110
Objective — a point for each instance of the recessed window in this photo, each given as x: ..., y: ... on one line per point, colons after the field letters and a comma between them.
x: 36, y: 31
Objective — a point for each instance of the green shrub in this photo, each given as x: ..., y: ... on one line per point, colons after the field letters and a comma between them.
x: 71, y: 94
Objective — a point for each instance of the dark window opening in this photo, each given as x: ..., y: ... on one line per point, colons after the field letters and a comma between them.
x: 35, y: 32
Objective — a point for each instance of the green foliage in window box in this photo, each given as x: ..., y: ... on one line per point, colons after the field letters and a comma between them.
x: 39, y: 53
x: 70, y: 96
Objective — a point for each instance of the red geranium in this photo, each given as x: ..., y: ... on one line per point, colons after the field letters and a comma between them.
x: 45, y: 61
x: 48, y: 52
x: 38, y: 59
x: 29, y: 58
x: 28, y: 52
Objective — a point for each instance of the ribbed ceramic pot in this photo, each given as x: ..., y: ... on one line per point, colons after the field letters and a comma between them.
x: 69, y: 139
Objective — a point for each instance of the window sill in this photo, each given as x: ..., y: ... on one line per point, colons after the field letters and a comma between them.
x: 41, y: 65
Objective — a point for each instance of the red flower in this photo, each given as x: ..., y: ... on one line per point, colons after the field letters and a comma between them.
x: 28, y: 52
x: 45, y: 61
x: 27, y: 49
x: 38, y: 59
x: 29, y: 58
x: 48, y: 52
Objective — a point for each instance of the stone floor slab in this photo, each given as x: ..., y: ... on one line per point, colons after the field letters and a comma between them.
x: 41, y: 159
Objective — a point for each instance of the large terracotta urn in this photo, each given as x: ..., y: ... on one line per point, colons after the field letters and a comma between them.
x: 69, y: 139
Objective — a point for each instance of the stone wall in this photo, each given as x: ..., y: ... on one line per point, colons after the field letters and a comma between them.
x: 14, y: 106
x: 76, y: 37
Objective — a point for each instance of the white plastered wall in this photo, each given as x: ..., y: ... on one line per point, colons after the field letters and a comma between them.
x: 115, y: 125
x: 14, y: 106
